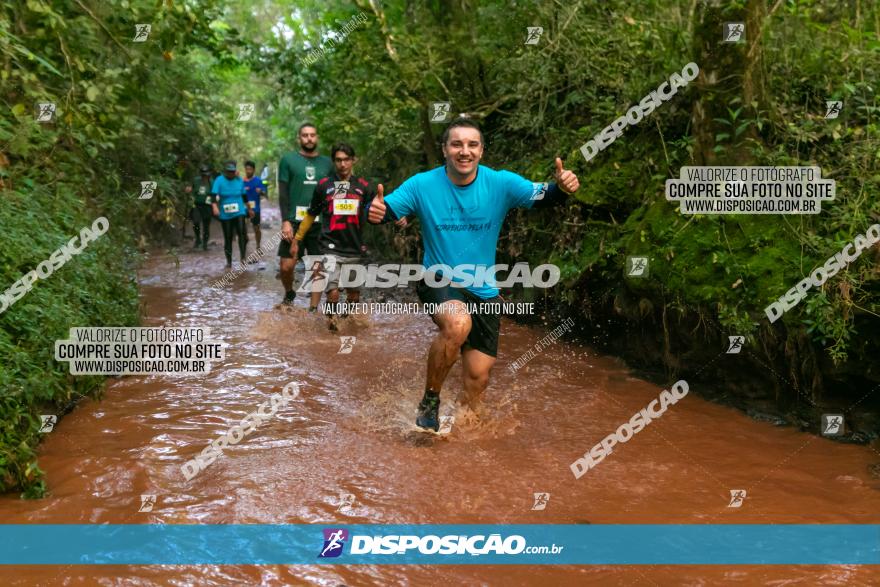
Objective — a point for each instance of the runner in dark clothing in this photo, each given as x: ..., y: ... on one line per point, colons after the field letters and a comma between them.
x: 200, y: 214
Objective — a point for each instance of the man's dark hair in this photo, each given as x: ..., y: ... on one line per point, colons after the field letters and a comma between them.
x: 305, y: 125
x: 250, y: 164
x: 344, y: 147
x: 459, y: 123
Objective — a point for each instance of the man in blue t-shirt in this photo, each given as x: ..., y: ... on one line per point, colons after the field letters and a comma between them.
x: 254, y: 190
x: 229, y: 206
x: 461, y: 207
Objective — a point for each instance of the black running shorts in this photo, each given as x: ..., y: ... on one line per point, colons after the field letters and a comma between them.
x: 308, y: 246
x: 485, y: 325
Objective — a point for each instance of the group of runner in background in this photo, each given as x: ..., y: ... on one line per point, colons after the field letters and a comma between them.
x: 233, y: 200
x: 323, y: 205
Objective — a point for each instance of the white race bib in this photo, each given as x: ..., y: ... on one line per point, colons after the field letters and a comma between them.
x: 203, y: 190
x: 208, y: 200
x: 301, y: 212
x: 230, y: 208
x: 345, y: 207
x: 252, y: 204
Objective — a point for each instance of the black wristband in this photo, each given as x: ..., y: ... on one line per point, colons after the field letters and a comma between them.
x: 554, y: 196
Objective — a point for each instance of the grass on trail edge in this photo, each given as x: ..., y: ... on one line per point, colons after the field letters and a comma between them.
x: 94, y: 288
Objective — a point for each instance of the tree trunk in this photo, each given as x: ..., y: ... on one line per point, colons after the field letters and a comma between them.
x: 730, y: 78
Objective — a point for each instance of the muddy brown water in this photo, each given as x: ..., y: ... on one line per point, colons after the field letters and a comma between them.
x: 349, y: 432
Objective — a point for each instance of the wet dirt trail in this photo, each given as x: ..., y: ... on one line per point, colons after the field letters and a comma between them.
x: 349, y: 433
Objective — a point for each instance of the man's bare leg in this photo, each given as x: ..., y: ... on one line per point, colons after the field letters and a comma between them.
x: 316, y: 276
x: 455, y: 325
x: 315, y: 299
x: 286, y: 270
x: 476, y: 366
x: 287, y: 267
x: 332, y: 300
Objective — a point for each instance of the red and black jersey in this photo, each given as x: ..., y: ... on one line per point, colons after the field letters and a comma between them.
x: 342, y: 205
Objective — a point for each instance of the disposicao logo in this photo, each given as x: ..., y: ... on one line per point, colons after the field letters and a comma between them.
x: 334, y: 541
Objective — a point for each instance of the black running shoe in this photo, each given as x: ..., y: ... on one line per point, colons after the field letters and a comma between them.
x: 428, y: 408
x: 288, y: 298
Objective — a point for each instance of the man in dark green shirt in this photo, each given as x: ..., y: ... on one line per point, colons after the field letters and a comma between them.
x: 200, y: 190
x: 298, y: 175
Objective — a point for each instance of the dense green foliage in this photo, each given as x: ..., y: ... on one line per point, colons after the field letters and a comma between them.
x: 129, y: 112
x: 126, y: 112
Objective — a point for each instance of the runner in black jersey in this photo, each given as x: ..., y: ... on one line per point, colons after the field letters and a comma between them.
x: 341, y: 199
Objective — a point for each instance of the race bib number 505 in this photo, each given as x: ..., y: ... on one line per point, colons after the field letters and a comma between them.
x: 345, y: 207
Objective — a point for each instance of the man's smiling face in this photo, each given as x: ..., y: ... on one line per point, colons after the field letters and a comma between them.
x: 463, y: 150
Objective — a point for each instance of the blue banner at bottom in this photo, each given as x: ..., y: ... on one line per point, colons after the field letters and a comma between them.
x: 479, y: 544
